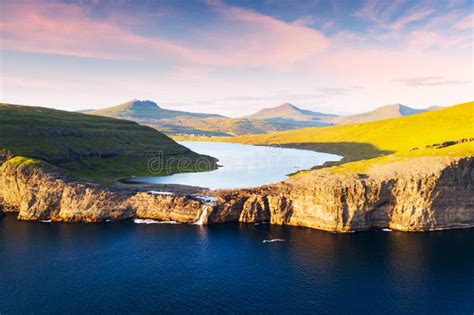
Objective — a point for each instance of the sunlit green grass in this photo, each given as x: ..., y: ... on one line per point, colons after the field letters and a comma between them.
x: 366, y: 144
x: 89, y: 147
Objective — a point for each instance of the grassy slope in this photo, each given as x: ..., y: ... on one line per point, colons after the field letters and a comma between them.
x: 89, y: 147
x: 384, y: 112
x: 385, y: 140
x: 145, y: 110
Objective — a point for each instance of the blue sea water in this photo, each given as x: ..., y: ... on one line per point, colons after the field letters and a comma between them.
x: 124, y: 267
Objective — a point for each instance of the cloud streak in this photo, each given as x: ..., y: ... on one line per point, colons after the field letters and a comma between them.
x: 58, y: 28
x: 199, y: 53
x: 240, y: 38
x: 415, y: 16
x: 378, y: 10
x: 430, y: 81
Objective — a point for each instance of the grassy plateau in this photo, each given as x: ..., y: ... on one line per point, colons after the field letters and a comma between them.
x: 444, y: 132
x: 91, y: 147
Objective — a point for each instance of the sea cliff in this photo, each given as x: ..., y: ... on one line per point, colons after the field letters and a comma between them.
x: 418, y: 194
x: 415, y: 194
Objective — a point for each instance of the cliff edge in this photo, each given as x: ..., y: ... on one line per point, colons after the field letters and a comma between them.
x: 416, y: 194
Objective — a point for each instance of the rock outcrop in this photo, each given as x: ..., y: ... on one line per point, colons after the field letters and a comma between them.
x: 420, y: 194
x: 38, y: 194
x: 417, y: 194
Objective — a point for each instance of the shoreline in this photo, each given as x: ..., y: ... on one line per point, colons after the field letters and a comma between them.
x: 394, y: 196
x: 159, y: 222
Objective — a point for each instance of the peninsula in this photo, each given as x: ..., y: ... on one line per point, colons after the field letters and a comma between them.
x: 413, y: 173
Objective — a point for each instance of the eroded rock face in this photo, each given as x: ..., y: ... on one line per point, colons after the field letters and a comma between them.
x: 39, y: 195
x: 419, y: 194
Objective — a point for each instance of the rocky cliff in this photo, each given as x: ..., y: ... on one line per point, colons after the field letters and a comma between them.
x: 418, y: 194
x: 40, y: 194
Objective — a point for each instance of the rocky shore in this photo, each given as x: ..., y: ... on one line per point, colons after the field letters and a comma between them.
x: 416, y: 194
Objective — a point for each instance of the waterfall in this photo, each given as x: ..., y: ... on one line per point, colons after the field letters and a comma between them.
x: 203, y: 218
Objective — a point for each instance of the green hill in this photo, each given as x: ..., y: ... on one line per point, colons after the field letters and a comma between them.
x: 146, y: 111
x: 448, y: 131
x: 383, y: 112
x: 171, y: 122
x: 91, y: 147
x: 289, y: 111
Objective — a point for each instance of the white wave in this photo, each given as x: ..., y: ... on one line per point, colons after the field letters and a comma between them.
x: 273, y: 240
x: 387, y: 230
x: 154, y: 192
x: 46, y: 221
x: 150, y: 221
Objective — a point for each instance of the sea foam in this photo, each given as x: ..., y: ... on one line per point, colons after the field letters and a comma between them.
x: 154, y: 192
x: 273, y: 240
x: 150, y: 221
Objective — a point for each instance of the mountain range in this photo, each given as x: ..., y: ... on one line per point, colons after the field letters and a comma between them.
x: 283, y: 117
x: 383, y: 112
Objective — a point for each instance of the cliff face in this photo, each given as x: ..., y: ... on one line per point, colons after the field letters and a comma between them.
x: 37, y: 194
x: 419, y: 194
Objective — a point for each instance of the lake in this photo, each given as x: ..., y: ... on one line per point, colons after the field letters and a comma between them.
x: 125, y: 267
x: 243, y: 166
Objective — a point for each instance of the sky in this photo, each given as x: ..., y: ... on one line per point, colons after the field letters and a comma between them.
x: 235, y: 57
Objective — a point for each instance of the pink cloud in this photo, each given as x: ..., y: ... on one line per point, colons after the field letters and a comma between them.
x: 378, y: 10
x: 254, y: 39
x: 305, y: 21
x: 466, y: 23
x: 57, y: 28
x: 371, y: 66
x: 423, y: 40
x: 249, y: 39
x: 381, y: 11
x: 410, y: 18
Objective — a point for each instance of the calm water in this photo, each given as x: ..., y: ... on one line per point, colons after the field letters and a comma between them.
x: 128, y: 267
x: 244, y: 165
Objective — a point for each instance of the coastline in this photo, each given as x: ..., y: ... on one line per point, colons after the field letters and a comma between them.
x: 413, y: 195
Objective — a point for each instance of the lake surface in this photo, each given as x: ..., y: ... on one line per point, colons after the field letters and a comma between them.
x: 126, y: 267
x: 243, y: 166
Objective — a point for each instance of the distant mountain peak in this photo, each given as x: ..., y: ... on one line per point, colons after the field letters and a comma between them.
x: 287, y: 111
x: 390, y: 106
x: 141, y: 104
x: 382, y: 112
x: 434, y: 107
x: 280, y: 109
x: 402, y: 110
x: 145, y: 111
x: 286, y: 106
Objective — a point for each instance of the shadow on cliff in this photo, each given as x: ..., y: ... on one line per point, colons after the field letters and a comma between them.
x: 453, y: 194
x: 351, y: 151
